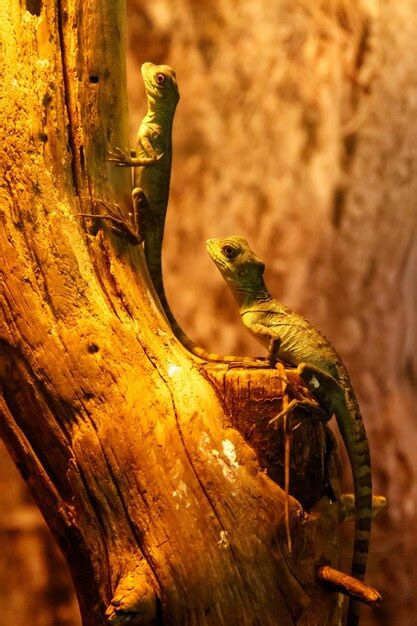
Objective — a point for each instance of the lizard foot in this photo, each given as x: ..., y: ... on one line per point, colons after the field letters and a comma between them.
x: 119, y: 225
x: 315, y: 413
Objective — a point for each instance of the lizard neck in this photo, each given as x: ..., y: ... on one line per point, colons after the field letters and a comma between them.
x: 249, y: 294
x: 161, y: 113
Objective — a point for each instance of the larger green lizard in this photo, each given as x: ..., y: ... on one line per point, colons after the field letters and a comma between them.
x: 151, y: 161
x: 301, y: 344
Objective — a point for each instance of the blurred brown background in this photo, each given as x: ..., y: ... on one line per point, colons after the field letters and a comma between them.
x: 297, y: 128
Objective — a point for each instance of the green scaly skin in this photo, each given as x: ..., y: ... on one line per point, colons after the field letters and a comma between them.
x: 155, y: 139
x: 319, y: 365
x: 152, y: 165
x: 152, y: 174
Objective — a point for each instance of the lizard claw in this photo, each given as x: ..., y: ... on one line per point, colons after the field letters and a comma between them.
x: 119, y: 224
x: 315, y: 413
x: 120, y: 157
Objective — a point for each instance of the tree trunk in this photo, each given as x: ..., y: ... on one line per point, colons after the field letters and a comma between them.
x: 130, y: 447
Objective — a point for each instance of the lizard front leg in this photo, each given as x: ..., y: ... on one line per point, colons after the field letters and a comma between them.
x: 122, y: 157
x: 271, y: 359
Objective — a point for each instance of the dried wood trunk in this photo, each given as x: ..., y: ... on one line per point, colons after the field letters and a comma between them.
x: 163, y: 511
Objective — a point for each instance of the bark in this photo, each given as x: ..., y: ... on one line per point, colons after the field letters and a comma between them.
x: 296, y: 128
x: 163, y: 511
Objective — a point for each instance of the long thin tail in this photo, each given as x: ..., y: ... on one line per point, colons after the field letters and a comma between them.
x: 338, y: 398
x: 356, y: 441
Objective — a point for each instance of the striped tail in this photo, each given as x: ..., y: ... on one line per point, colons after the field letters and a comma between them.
x: 213, y: 357
x: 356, y: 441
x: 337, y: 397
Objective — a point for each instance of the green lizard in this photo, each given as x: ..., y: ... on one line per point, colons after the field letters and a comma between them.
x: 299, y: 343
x: 152, y: 173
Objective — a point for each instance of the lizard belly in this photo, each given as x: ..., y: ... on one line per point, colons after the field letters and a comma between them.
x: 299, y: 347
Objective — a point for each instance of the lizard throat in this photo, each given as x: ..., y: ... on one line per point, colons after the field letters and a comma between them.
x: 248, y: 294
x: 160, y: 110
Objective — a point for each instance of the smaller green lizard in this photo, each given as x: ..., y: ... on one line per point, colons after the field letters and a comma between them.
x: 299, y: 343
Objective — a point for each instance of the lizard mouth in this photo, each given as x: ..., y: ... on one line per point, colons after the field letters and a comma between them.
x: 211, y: 246
x: 146, y: 69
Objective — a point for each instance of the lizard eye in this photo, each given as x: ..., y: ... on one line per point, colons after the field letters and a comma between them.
x: 160, y: 78
x: 229, y: 251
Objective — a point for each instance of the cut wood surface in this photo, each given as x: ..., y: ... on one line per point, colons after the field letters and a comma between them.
x: 135, y: 456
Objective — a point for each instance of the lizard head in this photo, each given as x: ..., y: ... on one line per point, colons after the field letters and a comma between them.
x: 237, y: 263
x: 160, y: 84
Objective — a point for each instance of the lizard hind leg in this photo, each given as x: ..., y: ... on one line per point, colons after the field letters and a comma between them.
x: 125, y: 228
x: 140, y: 208
x: 316, y: 413
x: 317, y: 379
